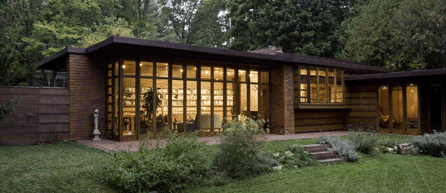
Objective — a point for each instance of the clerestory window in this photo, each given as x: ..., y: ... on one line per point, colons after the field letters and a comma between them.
x: 320, y: 85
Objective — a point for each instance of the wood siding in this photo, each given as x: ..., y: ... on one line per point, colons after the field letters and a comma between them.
x: 363, y: 101
x: 42, y: 114
x: 86, y: 81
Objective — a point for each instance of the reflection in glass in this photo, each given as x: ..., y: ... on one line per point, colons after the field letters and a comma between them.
x: 264, y: 77
x: 162, y: 70
x: 218, y: 106
x: 129, y: 68
x: 206, y: 72
x: 244, y: 99
x: 313, y: 84
x: 397, y: 110
x: 242, y: 75
x: 162, y: 110
x: 254, y: 100
x: 191, y: 107
x: 230, y: 74
x: 253, y: 76
x: 331, y: 91
x: 146, y: 68
x: 146, y: 108
x: 205, y: 117
x: 339, y: 80
x: 322, y: 96
x: 264, y: 102
x: 117, y: 110
x: 191, y: 72
x: 218, y: 73
x: 177, y: 71
x: 129, y: 106
x: 177, y: 105
x: 384, y: 115
x: 230, y: 98
x: 412, y: 106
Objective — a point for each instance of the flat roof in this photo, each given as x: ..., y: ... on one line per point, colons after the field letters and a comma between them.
x: 199, y: 51
x: 393, y: 75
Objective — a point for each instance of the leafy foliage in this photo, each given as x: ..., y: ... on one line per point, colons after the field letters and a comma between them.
x: 7, y: 108
x: 239, y: 149
x: 366, y: 142
x: 431, y: 144
x: 344, y: 148
x: 402, y: 34
x: 295, y: 156
x: 302, y: 27
x: 183, y: 162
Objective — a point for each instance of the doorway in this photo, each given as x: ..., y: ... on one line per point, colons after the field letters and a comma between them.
x: 435, y: 107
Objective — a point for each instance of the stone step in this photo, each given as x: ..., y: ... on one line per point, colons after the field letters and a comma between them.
x: 315, y: 148
x: 332, y: 160
x: 324, y: 155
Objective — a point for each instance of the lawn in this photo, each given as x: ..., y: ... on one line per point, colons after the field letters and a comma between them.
x: 69, y: 167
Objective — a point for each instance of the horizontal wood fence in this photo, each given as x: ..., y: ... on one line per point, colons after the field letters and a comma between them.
x: 42, y: 115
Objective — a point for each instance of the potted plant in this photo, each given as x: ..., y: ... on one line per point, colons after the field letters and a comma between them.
x: 147, y: 113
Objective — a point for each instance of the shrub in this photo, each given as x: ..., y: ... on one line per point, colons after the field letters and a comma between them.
x: 431, y: 144
x: 344, y: 148
x: 182, y: 162
x: 296, y: 157
x: 365, y: 142
x: 239, y: 148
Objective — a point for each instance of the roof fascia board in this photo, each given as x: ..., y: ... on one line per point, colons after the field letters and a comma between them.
x: 406, y: 74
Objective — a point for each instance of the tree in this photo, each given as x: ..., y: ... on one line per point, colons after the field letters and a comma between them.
x: 7, y: 108
x: 111, y: 27
x: 403, y: 34
x: 302, y: 27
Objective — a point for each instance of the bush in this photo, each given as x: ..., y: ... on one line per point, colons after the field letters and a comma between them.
x: 181, y: 163
x: 431, y: 144
x: 365, y: 142
x: 296, y: 157
x: 344, y: 148
x: 239, y: 149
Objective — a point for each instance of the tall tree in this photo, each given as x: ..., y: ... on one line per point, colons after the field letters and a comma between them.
x: 402, y: 34
x: 299, y: 26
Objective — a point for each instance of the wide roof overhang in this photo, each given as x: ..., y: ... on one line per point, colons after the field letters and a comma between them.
x: 399, y: 75
x: 119, y: 45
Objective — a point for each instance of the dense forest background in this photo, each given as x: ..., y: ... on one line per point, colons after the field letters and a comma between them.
x: 397, y: 34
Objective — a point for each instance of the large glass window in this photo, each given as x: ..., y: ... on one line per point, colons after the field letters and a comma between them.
x: 146, y: 105
x: 205, y: 112
x: 397, y: 110
x: 320, y: 85
x: 384, y: 110
x: 162, y: 110
x: 412, y: 106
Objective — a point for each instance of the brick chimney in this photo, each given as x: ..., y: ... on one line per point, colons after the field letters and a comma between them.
x: 270, y: 50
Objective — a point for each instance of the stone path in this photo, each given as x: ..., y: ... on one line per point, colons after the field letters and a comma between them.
x: 111, y: 146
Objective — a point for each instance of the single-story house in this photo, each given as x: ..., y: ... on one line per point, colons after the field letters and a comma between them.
x: 143, y: 86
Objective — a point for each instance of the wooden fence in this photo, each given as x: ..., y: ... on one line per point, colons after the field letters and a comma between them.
x: 42, y: 115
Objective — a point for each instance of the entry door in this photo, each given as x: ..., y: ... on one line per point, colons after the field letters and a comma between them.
x: 435, y: 107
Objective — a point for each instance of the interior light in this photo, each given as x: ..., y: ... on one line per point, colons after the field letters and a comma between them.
x: 195, y: 68
x: 250, y: 75
x: 229, y: 73
x: 207, y: 72
x: 140, y: 64
x: 123, y: 66
x: 181, y: 70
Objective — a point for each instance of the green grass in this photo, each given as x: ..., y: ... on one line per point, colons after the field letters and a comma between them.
x: 62, y: 167
x: 70, y: 167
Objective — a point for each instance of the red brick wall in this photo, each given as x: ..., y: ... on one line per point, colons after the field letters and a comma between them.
x: 282, y: 100
x: 86, y: 81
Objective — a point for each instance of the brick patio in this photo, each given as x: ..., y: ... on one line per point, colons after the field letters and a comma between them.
x: 111, y: 146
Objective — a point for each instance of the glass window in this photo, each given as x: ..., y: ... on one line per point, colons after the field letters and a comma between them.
x: 322, y: 94
x: 218, y: 74
x: 264, y: 102
x: 206, y: 73
x: 129, y: 68
x: 177, y: 105
x: 218, y: 106
x: 177, y: 71
x: 146, y: 108
x: 254, y: 100
x: 264, y: 77
x: 325, y: 85
x: 244, y: 99
x: 117, y: 68
x: 191, y: 108
x: 412, y: 106
x: 331, y: 87
x: 117, y: 110
x: 339, y: 82
x: 162, y: 110
x: 384, y: 113
x: 242, y: 75
x: 253, y: 76
x: 146, y: 68
x: 129, y: 106
x: 191, y: 72
x: 205, y: 115
x: 230, y: 74
x: 397, y: 110
x: 162, y: 70
x: 313, y: 84
x: 230, y: 97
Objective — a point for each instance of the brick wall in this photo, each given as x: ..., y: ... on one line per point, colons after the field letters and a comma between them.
x: 282, y: 100
x: 86, y: 82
